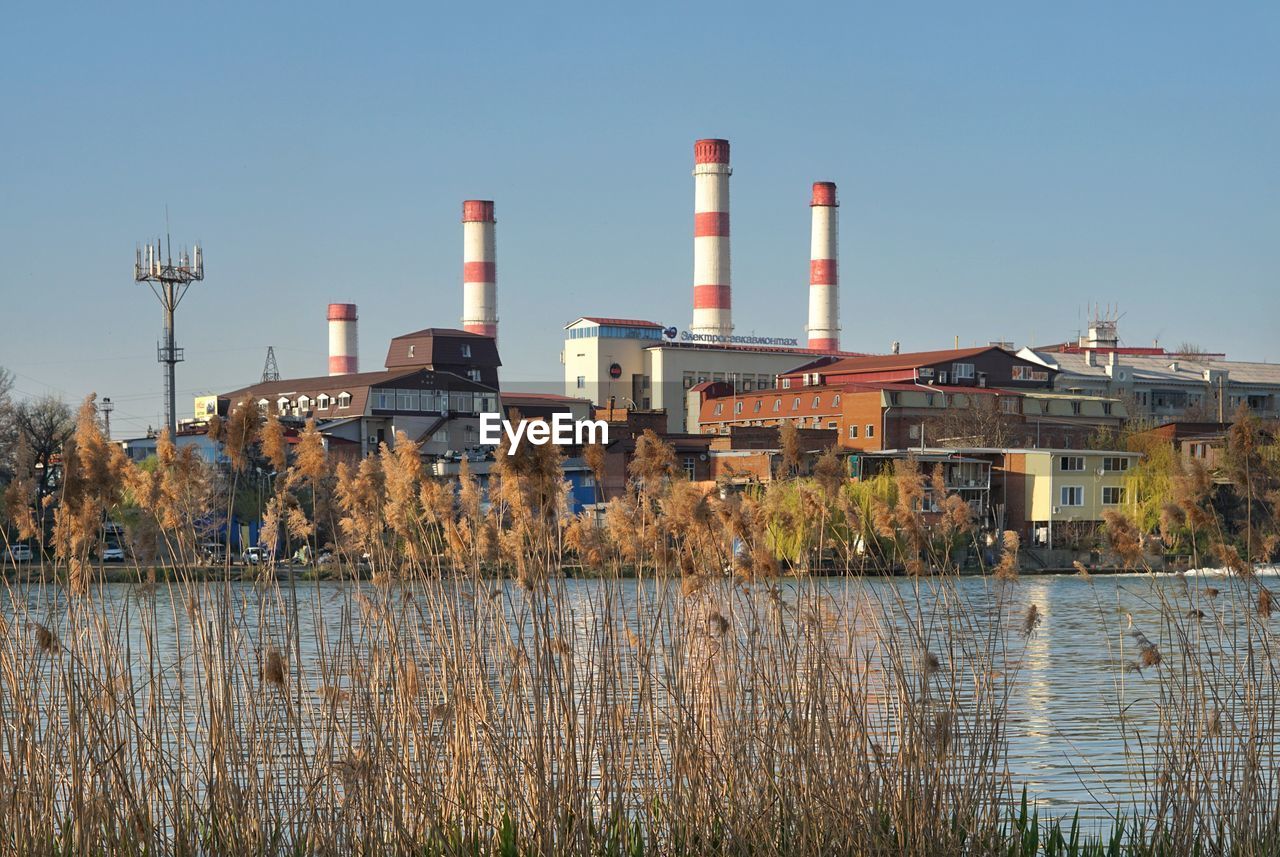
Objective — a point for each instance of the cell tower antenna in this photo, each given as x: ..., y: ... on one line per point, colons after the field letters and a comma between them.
x: 270, y: 371
x: 169, y: 281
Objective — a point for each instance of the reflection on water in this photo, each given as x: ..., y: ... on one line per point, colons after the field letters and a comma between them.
x: 1066, y: 741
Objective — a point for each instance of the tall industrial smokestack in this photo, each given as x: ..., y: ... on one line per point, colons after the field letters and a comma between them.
x: 712, y: 312
x: 479, y: 268
x: 344, y: 352
x: 824, y: 269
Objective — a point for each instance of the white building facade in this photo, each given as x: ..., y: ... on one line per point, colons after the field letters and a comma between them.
x: 629, y: 363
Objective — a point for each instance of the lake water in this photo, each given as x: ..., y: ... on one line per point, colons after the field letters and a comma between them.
x: 1068, y: 678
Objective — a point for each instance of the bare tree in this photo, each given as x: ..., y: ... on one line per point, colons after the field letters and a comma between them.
x: 981, y: 422
x: 44, y: 424
x: 8, y: 427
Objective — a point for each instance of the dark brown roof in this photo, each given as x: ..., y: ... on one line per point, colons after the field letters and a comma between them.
x: 356, y: 384
x: 906, y: 360
x: 441, y: 347
x: 542, y: 397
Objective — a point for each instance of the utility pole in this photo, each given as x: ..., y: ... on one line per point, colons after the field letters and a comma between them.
x: 105, y: 407
x: 169, y: 281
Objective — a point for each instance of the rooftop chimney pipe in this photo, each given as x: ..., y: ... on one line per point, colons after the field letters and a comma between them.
x: 824, y: 269
x: 712, y: 313
x: 344, y: 352
x: 479, y: 268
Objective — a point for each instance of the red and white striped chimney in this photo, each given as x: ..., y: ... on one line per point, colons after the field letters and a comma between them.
x: 824, y: 269
x: 712, y: 312
x: 344, y: 353
x: 479, y: 268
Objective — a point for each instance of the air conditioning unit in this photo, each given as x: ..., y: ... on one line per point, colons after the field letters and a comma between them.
x: 1056, y: 509
x: 1101, y: 471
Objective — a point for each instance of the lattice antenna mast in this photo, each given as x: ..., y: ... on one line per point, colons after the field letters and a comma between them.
x: 270, y: 371
x: 169, y: 280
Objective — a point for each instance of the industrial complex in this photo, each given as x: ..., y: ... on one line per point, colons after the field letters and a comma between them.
x: 1012, y: 423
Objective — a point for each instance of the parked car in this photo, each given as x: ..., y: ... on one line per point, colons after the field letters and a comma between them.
x: 112, y: 553
x: 213, y: 553
x: 253, y: 556
x: 19, y: 553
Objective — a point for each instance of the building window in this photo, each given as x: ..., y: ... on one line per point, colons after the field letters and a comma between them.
x: 1075, y: 408
x: 1106, y: 408
x: 322, y: 402
x: 719, y: 409
x: 961, y: 370
x: 406, y: 400
x: 786, y: 383
x: 466, y: 350
x: 427, y: 400
x: 344, y: 400
x: 777, y: 405
x: 1115, y: 464
x: 1071, y: 464
x: 913, y: 432
x: 690, y: 467
x: 1026, y: 373
x: 835, y: 400
x: 263, y: 404
x: 832, y: 424
x: 582, y: 382
x: 1112, y: 495
x: 895, y: 399
x: 304, y: 404
x: 853, y: 432
x: 871, y: 430
x: 817, y: 402
x: 1071, y: 495
x: 441, y: 435
x: 795, y: 403
x: 737, y: 407
x: 756, y: 408
x: 688, y: 380
x: 1009, y: 405
x: 282, y: 404
x: 474, y: 375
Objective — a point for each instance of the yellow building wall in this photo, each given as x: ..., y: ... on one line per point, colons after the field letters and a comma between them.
x: 1044, y: 491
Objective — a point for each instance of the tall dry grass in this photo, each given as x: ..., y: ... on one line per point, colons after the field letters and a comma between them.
x: 470, y: 699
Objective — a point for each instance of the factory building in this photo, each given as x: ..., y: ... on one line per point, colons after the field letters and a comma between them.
x: 904, y: 400
x: 636, y: 364
x: 433, y: 389
x: 1160, y: 386
x: 642, y: 365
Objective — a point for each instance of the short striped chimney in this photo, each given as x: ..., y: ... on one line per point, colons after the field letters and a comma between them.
x: 824, y: 269
x: 712, y: 312
x: 479, y: 268
x: 344, y: 352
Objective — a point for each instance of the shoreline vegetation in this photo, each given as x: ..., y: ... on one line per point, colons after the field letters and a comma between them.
x: 459, y: 702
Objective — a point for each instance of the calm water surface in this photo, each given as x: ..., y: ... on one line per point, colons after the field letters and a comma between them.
x: 1065, y: 739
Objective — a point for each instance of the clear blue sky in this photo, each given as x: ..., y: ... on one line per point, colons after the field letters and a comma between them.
x: 1000, y: 165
